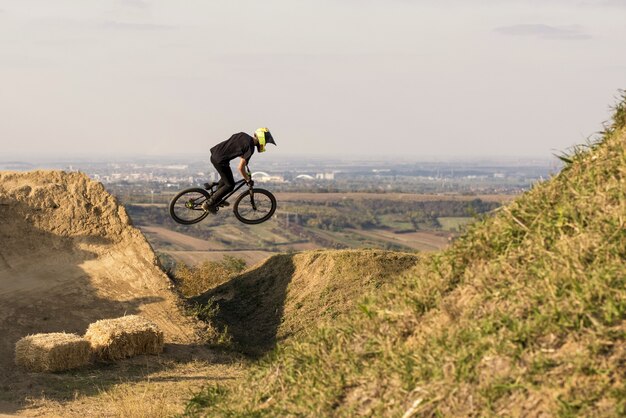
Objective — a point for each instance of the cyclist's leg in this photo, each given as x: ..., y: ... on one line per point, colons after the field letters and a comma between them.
x: 227, y: 181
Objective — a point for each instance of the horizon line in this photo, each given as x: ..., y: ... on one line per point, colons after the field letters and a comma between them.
x: 194, y: 157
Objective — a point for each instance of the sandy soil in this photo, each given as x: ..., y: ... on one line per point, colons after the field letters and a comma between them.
x: 68, y: 257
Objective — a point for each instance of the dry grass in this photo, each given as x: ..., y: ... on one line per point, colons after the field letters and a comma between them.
x: 141, y: 400
x: 52, y: 352
x: 128, y: 336
x: 162, y: 394
x: 192, y: 281
x: 140, y: 387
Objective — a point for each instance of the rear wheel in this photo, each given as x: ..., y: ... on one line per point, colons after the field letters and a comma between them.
x: 256, y: 207
x: 186, y: 206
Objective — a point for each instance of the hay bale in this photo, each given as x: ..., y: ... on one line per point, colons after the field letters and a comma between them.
x: 52, y: 352
x: 128, y: 336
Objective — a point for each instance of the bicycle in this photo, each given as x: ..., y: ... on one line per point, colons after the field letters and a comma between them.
x: 253, y: 206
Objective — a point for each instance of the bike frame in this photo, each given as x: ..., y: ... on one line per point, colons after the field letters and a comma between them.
x: 238, y: 185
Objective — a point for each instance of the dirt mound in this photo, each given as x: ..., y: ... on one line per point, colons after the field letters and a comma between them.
x: 69, y: 256
x: 289, y: 292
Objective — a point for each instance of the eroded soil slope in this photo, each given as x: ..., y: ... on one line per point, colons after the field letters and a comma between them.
x: 289, y: 293
x: 70, y: 256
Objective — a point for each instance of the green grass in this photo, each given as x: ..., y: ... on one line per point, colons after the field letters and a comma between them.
x: 398, y: 222
x: 524, y: 315
x: 454, y: 223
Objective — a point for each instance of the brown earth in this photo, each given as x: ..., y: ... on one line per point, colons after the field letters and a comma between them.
x: 69, y: 256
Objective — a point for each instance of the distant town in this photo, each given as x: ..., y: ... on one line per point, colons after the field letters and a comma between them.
x: 298, y: 174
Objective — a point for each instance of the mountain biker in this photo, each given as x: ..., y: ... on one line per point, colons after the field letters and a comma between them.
x: 239, y: 145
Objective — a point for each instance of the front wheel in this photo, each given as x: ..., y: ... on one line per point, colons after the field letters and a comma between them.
x: 256, y: 207
x: 186, y: 206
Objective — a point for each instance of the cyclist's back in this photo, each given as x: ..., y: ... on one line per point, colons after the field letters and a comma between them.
x: 238, y: 145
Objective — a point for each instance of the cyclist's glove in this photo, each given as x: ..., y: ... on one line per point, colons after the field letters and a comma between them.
x: 250, y: 183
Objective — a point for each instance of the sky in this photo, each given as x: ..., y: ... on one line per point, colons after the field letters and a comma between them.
x: 343, y: 78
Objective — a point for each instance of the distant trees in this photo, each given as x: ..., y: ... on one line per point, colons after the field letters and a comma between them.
x: 367, y: 213
x: 334, y: 215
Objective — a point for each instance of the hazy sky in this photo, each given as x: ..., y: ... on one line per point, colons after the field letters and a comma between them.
x: 342, y: 77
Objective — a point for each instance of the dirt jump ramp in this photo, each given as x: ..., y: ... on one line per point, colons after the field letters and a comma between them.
x: 69, y: 256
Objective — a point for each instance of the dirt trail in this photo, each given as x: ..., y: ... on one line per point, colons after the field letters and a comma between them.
x: 70, y: 256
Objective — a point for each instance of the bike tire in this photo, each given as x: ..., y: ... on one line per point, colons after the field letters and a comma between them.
x: 179, y: 206
x: 242, y: 207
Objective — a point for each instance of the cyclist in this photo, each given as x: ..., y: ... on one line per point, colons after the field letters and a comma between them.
x: 239, y: 145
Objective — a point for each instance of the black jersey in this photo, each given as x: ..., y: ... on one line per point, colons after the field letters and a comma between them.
x: 238, y: 145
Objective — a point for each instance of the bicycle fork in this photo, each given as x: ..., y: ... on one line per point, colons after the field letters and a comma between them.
x: 252, y: 198
x: 251, y: 189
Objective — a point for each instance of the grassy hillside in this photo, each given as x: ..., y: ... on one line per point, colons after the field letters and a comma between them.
x: 524, y: 315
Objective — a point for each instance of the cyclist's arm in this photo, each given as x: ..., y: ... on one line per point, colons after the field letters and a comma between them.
x: 242, y: 169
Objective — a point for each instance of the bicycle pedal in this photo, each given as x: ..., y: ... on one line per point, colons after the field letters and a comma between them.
x: 211, y: 209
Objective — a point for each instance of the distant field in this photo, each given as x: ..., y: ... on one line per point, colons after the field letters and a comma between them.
x: 328, y: 197
x: 338, y: 239
x: 305, y: 246
x: 177, y: 239
x: 393, y: 222
x: 324, y: 197
x: 423, y: 241
x: 192, y: 258
x: 304, y: 221
x: 454, y: 223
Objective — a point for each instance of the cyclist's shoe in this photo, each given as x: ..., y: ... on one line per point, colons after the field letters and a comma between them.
x: 224, y: 204
x: 209, y: 206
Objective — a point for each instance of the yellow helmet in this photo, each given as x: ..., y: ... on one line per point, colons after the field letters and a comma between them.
x: 264, y: 136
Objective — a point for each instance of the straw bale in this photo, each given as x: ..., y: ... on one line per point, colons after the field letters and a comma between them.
x: 52, y: 352
x: 128, y: 336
